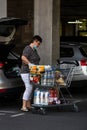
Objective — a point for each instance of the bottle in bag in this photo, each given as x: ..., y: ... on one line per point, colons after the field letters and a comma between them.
x: 51, y: 96
x: 41, y: 97
x: 46, y: 97
x: 31, y: 78
x: 37, y: 96
x: 55, y: 97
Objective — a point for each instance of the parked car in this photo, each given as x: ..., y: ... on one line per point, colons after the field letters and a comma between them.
x: 77, y: 53
x: 10, y: 80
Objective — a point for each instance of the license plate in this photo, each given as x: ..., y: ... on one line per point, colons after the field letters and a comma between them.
x: 65, y: 66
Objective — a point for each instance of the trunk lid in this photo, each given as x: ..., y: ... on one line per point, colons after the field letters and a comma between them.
x: 8, y: 27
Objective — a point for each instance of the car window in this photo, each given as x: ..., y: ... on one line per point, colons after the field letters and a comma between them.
x: 5, y: 30
x: 83, y: 50
x: 66, y: 52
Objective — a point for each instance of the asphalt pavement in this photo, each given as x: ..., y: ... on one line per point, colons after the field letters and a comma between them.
x: 12, y: 118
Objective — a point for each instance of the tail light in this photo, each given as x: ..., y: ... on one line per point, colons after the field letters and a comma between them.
x: 2, y: 90
x: 83, y: 63
x: 1, y: 65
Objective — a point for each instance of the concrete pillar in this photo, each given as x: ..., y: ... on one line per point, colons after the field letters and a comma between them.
x: 3, y: 8
x: 46, y: 24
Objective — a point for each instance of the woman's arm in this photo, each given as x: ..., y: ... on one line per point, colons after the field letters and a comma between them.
x: 25, y: 60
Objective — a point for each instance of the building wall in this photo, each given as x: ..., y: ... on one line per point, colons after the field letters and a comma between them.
x: 22, y: 9
x: 73, y: 8
x: 3, y: 8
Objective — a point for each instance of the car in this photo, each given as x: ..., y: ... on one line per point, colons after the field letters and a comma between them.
x: 74, y: 53
x: 10, y: 62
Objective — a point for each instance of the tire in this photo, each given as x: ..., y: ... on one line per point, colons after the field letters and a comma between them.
x: 34, y: 110
x: 75, y: 108
x: 42, y: 111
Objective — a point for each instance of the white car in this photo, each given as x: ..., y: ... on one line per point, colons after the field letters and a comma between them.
x: 77, y: 53
x: 10, y: 79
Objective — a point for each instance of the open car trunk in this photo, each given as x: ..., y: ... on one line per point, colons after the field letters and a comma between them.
x: 4, y: 50
x: 8, y: 27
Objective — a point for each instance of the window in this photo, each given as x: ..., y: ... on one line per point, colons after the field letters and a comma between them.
x: 66, y: 52
x: 83, y: 50
x: 5, y: 30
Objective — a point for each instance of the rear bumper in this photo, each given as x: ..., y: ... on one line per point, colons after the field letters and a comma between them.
x: 11, y: 91
x: 79, y: 77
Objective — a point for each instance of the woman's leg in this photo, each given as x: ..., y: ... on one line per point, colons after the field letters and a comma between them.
x: 27, y: 92
x: 29, y: 104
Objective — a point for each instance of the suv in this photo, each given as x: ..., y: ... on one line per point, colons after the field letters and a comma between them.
x: 10, y: 62
x: 74, y: 52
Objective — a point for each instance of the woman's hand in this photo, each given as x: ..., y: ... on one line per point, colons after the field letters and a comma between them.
x: 30, y: 65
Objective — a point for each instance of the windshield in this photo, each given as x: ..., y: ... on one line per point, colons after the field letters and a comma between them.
x: 6, y: 30
x: 66, y: 52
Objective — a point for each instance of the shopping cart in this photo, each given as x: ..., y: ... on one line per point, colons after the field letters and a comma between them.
x: 67, y: 69
x: 51, y: 80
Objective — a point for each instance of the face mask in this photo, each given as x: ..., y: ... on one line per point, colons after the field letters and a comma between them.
x: 35, y: 47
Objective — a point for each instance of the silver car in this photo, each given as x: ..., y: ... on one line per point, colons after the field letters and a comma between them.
x: 74, y: 52
x: 10, y: 80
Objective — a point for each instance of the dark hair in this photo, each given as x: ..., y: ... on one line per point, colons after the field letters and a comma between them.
x: 36, y: 37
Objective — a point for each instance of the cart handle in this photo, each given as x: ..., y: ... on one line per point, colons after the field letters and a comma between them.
x: 68, y: 62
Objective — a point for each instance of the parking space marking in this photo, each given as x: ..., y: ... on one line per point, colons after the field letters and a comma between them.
x: 16, y: 115
x: 11, y: 114
x: 2, y: 111
x: 2, y: 114
x: 80, y: 100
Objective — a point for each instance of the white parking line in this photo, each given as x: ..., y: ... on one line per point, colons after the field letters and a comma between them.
x: 16, y: 115
x: 80, y: 100
x: 2, y: 114
x: 8, y: 111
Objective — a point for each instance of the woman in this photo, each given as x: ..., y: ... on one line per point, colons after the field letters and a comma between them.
x: 29, y: 58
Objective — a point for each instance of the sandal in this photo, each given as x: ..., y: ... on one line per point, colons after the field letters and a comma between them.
x: 24, y: 109
x: 29, y: 108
